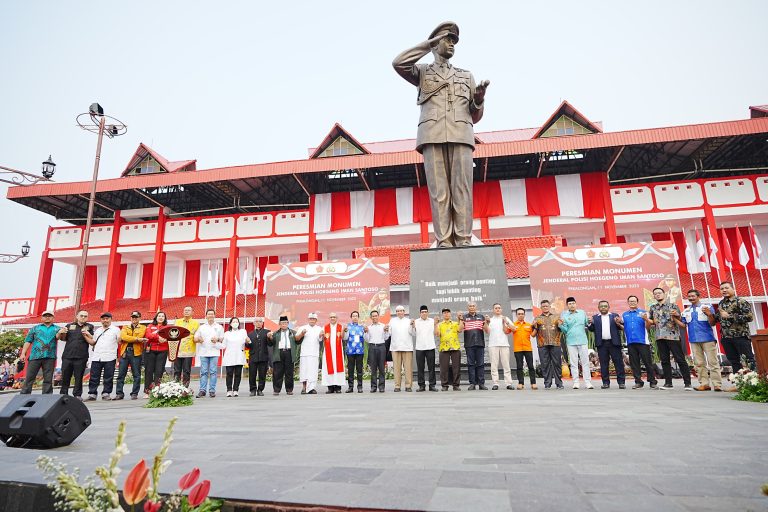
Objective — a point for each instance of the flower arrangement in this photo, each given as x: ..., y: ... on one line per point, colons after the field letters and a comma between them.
x: 750, y: 386
x: 170, y: 394
x: 99, y: 492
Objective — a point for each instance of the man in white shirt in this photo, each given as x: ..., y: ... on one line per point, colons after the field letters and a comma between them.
x: 105, y: 342
x: 209, y: 337
x: 310, y: 336
x: 378, y: 334
x: 497, y: 327
x: 401, y: 348
x: 424, y: 330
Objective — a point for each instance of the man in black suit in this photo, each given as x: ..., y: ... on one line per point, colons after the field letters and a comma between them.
x: 606, y: 327
x: 259, y: 357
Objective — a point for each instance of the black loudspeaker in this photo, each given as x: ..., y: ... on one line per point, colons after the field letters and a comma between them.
x: 43, y: 421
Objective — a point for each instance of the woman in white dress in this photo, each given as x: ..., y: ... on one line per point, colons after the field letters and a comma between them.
x: 234, y: 355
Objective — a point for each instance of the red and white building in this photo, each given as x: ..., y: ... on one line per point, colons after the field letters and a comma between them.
x: 169, y: 225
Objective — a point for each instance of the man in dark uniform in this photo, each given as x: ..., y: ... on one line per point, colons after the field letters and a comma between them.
x: 78, y: 336
x: 259, y: 357
x: 450, y: 105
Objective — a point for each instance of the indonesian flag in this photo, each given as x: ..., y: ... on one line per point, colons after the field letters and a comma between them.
x: 727, y: 254
x: 742, y: 248
x: 757, y: 249
x: 712, y: 251
x: 701, y: 251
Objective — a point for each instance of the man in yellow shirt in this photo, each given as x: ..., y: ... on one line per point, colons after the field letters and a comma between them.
x: 521, y: 344
x: 450, y: 350
x: 132, y: 339
x: 182, y: 366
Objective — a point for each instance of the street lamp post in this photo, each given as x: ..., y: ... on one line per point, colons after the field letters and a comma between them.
x: 13, y: 258
x: 26, y: 178
x: 93, y: 121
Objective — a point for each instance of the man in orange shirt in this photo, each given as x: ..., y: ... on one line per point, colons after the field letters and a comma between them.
x: 521, y: 341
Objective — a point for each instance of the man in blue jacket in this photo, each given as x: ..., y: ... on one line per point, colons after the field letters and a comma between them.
x: 607, y: 327
x: 636, y: 323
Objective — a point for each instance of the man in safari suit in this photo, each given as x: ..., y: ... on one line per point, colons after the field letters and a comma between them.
x: 450, y: 104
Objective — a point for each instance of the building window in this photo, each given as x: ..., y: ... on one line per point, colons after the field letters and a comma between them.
x: 565, y: 126
x: 340, y: 147
x: 147, y: 166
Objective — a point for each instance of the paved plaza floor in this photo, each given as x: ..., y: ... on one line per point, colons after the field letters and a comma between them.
x: 571, y: 450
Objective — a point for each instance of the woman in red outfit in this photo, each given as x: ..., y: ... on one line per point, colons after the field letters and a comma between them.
x: 156, y: 354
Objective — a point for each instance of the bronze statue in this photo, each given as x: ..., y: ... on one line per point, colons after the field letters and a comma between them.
x: 450, y: 104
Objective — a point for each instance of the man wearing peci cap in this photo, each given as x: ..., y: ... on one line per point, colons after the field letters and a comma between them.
x: 283, y: 356
x: 424, y: 330
x: 311, y: 337
x: 40, y: 344
x: 450, y: 104
x: 132, y: 339
x: 106, y: 340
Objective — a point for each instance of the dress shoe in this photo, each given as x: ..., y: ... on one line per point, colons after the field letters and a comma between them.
x: 338, y: 390
x: 495, y: 387
x: 510, y: 387
x: 311, y: 392
x: 445, y: 388
x: 397, y: 390
x: 638, y: 385
x: 622, y: 386
x: 381, y: 390
x: 253, y: 393
x: 432, y: 388
x: 457, y: 388
x: 471, y: 387
x: 275, y: 393
x: 559, y: 388
x: 119, y: 397
x: 654, y: 386
x: 349, y: 389
x: 718, y: 388
x: 482, y: 387
x: 421, y: 388
x: 359, y: 389
x: 373, y: 390
x: 259, y: 393
x: 408, y: 390
x: 703, y: 388
x: 134, y: 397
x: 605, y: 386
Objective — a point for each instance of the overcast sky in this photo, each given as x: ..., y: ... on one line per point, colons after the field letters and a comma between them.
x: 231, y: 83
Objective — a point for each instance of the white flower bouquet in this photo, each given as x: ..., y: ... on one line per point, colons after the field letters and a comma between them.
x: 170, y: 394
x: 750, y: 385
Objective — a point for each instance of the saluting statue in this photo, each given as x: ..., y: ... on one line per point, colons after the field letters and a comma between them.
x: 450, y: 103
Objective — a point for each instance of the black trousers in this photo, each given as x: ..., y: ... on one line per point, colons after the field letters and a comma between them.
x: 377, y: 360
x: 551, y: 357
x: 528, y: 356
x: 450, y: 368
x: 476, y: 365
x: 234, y: 374
x: 608, y: 352
x: 427, y: 356
x: 283, y: 370
x: 355, y: 364
x: 72, y: 368
x: 33, y: 367
x: 675, y: 347
x: 134, y: 362
x: 735, y: 348
x: 154, y: 367
x: 637, y: 352
x: 97, y: 367
x: 257, y: 369
x: 182, y: 368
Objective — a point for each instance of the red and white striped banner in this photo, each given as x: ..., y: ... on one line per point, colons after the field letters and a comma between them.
x: 574, y: 195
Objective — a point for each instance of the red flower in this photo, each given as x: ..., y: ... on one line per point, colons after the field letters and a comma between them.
x: 136, y: 483
x: 151, y: 506
x: 198, y: 493
x: 189, y: 479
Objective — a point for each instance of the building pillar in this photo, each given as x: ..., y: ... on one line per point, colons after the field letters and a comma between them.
x: 485, y: 229
x: 546, y: 229
x: 43, y: 288
x: 609, y: 226
x: 312, y: 244
x: 113, y: 268
x: 233, y: 267
x: 158, y: 267
x: 368, y: 236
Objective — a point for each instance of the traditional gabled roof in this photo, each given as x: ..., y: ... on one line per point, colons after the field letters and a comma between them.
x: 758, y: 111
x: 337, y: 131
x: 143, y: 151
x: 566, y: 109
